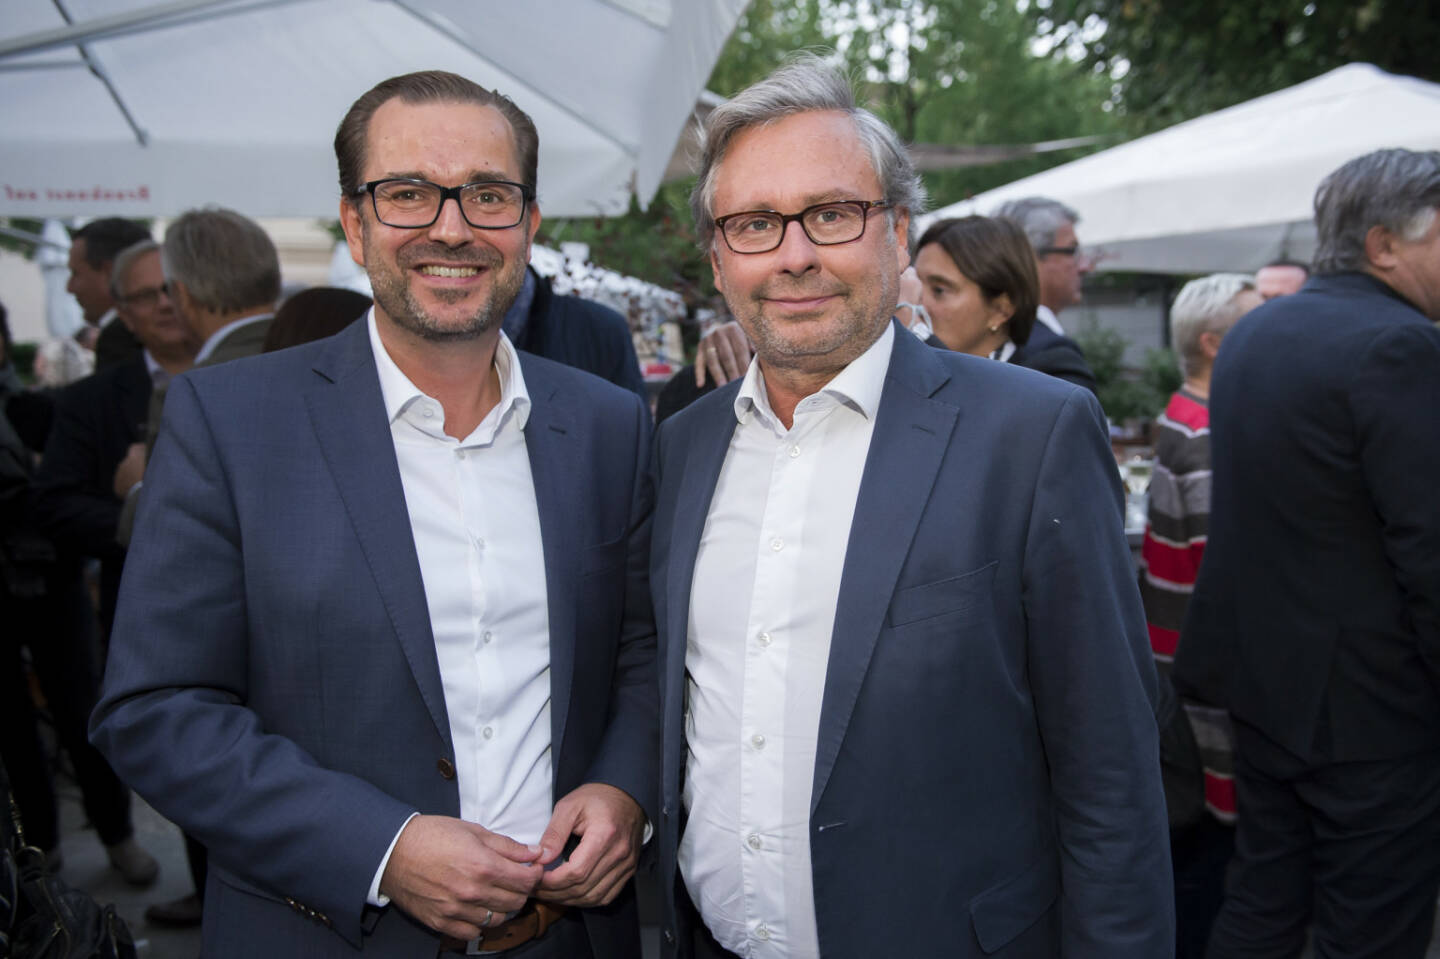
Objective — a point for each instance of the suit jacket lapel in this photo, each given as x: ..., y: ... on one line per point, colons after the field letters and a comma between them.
x: 348, y: 412
x: 912, y: 433
x: 703, y: 441
x: 549, y: 444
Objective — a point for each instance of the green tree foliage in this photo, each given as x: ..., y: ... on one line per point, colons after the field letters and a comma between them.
x: 1176, y: 59
x: 964, y: 72
x: 1128, y: 394
x: 940, y: 71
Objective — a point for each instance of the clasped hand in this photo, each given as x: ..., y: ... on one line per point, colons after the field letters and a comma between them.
x: 457, y: 877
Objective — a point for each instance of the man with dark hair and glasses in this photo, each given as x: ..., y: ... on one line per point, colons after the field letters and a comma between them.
x: 1061, y: 264
x: 384, y: 647
x: 906, y: 689
x: 92, y: 459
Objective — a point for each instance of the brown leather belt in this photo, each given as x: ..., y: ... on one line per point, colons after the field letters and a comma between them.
x: 529, y: 923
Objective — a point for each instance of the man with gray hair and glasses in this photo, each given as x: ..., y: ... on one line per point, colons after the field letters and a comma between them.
x: 1316, y: 618
x: 1061, y: 263
x: 906, y: 693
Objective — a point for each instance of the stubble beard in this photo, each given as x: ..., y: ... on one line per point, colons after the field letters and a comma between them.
x: 397, y: 300
x: 849, y: 334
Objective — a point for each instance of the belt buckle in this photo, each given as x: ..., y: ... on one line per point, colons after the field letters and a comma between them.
x: 472, y: 948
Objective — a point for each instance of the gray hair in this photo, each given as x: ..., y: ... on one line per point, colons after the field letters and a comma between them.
x: 225, y: 261
x: 1040, y: 217
x: 1396, y: 189
x: 1206, y: 305
x: 123, y: 261
x: 805, y: 84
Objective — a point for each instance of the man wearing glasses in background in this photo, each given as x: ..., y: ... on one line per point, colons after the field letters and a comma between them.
x: 1061, y: 263
x: 905, y: 680
x: 376, y: 650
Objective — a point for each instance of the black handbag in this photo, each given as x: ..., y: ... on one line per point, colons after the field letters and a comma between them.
x: 40, y: 916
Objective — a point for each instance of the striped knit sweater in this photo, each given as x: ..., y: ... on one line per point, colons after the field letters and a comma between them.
x: 1179, y: 517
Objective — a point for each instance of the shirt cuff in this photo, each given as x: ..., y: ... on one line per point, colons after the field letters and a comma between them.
x: 376, y: 898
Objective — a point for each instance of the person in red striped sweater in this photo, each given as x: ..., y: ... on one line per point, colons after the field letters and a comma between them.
x: 1175, y: 532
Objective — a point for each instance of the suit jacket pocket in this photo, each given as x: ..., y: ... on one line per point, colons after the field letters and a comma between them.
x: 235, y: 882
x: 605, y: 556
x: 1008, y: 908
x: 952, y: 595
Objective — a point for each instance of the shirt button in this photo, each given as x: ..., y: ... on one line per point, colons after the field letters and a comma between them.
x: 753, y: 841
x: 488, y: 732
x: 762, y: 932
x: 777, y: 544
x: 763, y: 639
x: 479, y: 542
x: 426, y: 412
x: 794, y: 452
x: 446, y: 767
x: 488, y: 636
x: 460, y: 454
x: 758, y: 741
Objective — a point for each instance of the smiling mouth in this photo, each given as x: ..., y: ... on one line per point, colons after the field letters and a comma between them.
x: 450, y: 271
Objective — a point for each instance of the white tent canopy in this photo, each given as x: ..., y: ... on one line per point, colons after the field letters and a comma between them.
x: 1234, y: 189
x: 144, y: 108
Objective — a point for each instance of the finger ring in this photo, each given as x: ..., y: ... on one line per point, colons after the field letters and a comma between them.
x: 489, y: 914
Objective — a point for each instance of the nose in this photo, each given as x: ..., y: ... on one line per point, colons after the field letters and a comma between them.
x: 450, y: 226
x: 796, y: 254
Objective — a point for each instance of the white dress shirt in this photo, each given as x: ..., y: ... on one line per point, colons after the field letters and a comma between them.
x: 762, y: 610
x: 477, y: 534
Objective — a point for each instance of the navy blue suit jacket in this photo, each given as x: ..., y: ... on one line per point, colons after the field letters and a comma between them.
x: 581, y: 333
x: 1316, y: 617
x: 1060, y: 356
x: 273, y: 686
x: 987, y: 777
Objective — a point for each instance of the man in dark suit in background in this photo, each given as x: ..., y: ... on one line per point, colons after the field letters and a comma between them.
x: 224, y: 275
x: 375, y: 648
x: 1049, y: 225
x: 1316, y: 617
x: 91, y: 460
x: 93, y: 249
x: 581, y: 333
x: 904, y: 674
x: 95, y: 454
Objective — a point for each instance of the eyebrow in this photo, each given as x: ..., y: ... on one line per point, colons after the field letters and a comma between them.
x: 474, y: 176
x: 814, y: 199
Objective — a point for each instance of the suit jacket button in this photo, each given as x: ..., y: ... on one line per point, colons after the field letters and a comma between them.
x: 669, y: 937
x: 446, y: 767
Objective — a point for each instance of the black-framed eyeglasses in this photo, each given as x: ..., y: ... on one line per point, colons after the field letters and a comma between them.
x: 415, y: 204
x: 826, y: 224
x: 1073, y: 250
x: 147, y: 297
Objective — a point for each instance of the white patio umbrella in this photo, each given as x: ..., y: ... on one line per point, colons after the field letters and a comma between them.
x: 143, y: 108
x: 1234, y: 189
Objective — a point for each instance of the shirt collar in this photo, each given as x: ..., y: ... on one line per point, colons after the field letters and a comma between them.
x: 226, y: 330
x: 106, y: 318
x: 159, y: 376
x: 858, y: 385
x: 398, y: 392
x: 1047, y: 316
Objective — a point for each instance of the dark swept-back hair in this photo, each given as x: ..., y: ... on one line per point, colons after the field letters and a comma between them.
x: 106, y: 237
x: 994, y: 254
x: 428, y: 86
